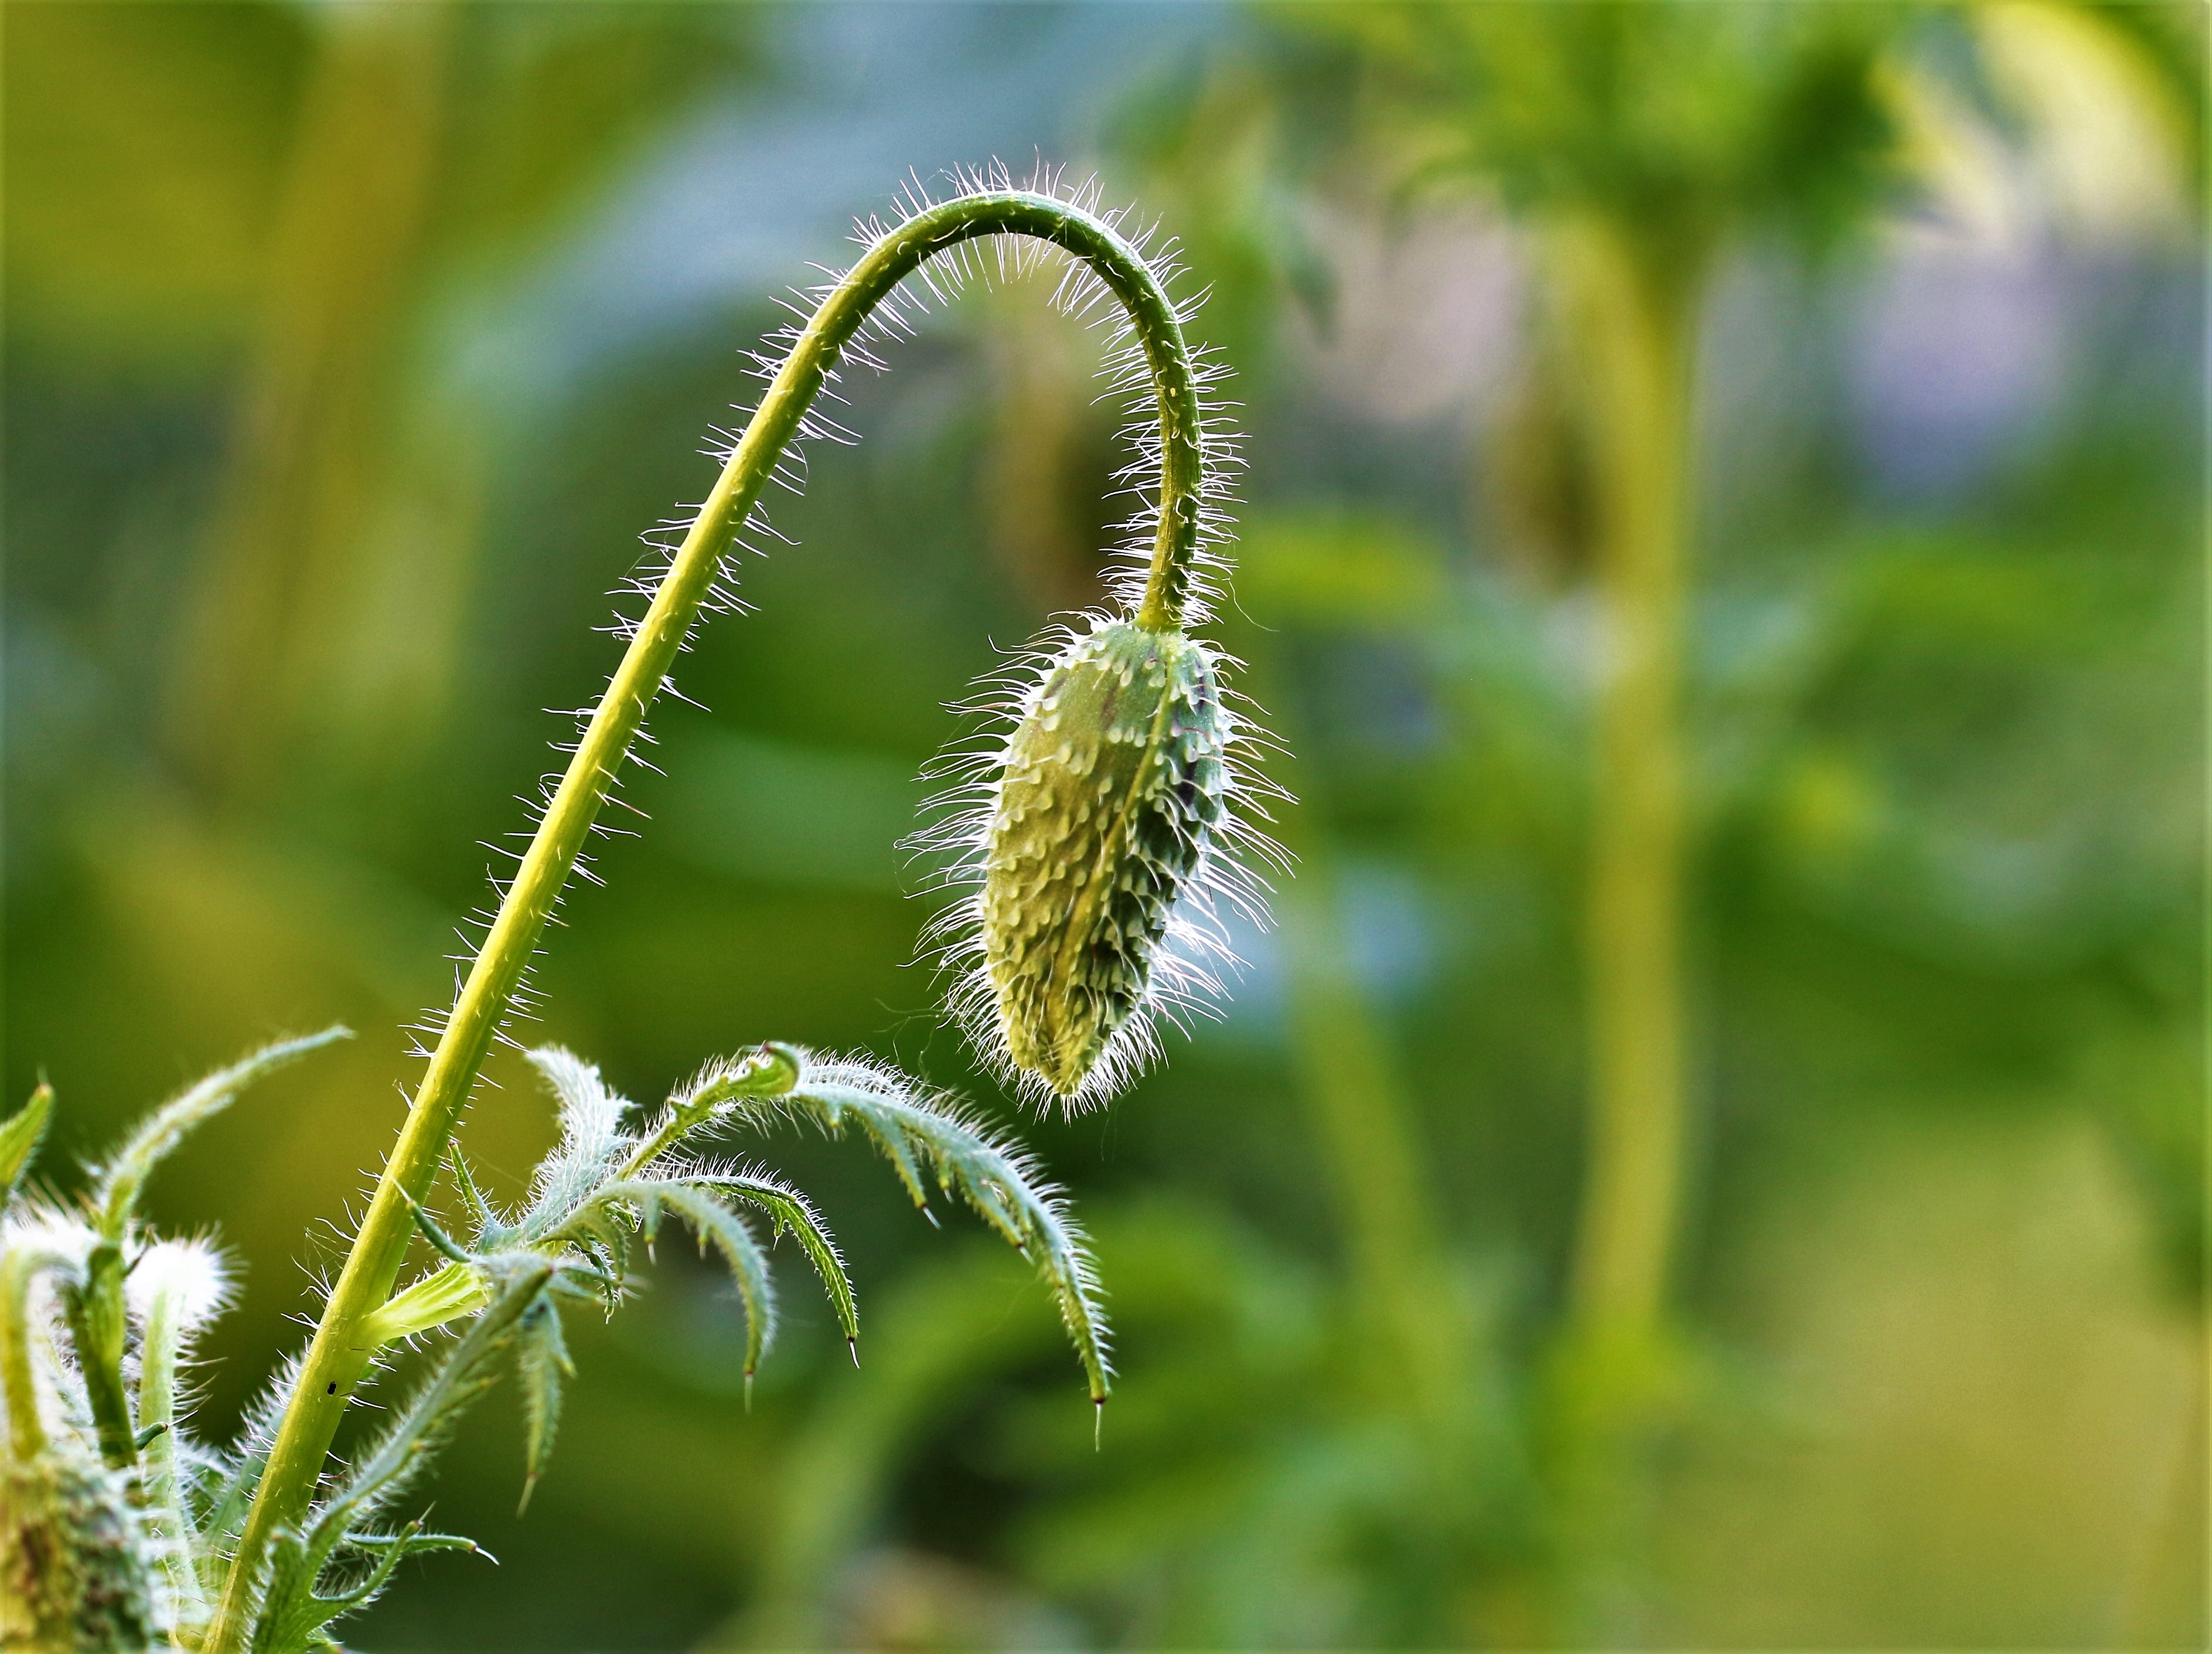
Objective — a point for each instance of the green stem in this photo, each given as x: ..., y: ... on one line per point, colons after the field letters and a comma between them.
x: 95, y: 1309
x: 166, y: 1518
x: 445, y: 1294
x: 1635, y: 317
x: 340, y: 1352
x: 1633, y: 306
x: 27, y: 1434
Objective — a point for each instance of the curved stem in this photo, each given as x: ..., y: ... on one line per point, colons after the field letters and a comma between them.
x: 339, y: 1352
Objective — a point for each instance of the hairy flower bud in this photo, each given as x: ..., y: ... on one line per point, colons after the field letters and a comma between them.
x: 1114, y: 779
x: 74, y: 1569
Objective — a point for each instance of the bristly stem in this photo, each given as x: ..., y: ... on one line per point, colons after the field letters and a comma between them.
x: 339, y: 1353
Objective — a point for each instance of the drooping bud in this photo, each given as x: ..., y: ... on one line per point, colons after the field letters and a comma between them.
x: 1114, y: 780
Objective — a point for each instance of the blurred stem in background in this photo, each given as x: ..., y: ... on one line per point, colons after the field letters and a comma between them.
x: 1630, y: 141
x: 1634, y: 332
x: 311, y: 450
x: 1630, y: 310
x: 1365, y: 1129
x: 437, y: 154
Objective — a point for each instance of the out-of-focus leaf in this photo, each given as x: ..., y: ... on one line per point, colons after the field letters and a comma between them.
x: 1347, y: 574
x: 144, y: 151
x: 774, y: 813
x: 1675, y: 119
x: 564, y: 96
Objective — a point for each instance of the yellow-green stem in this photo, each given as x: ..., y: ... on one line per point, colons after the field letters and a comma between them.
x: 167, y: 1521
x: 27, y: 1434
x: 341, y: 1348
x: 1633, y: 314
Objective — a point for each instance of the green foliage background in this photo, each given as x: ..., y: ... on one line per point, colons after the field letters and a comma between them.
x: 348, y: 349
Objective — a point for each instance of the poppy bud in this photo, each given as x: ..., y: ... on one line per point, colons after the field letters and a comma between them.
x: 1114, y: 780
x: 73, y: 1560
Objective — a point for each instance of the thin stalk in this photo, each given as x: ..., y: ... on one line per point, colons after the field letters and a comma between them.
x: 339, y: 1352
x: 166, y: 1515
x: 27, y: 1433
x: 1635, y: 326
x: 1632, y: 325
x: 95, y: 1309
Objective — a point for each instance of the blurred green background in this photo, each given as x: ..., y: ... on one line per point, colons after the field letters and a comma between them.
x: 1712, y: 1151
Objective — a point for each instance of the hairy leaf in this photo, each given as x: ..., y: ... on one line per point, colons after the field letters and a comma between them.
x: 593, y: 1142
x: 298, y: 1628
x: 716, y: 1225
x: 542, y: 1362
x: 293, y: 1613
x: 480, y: 1209
x: 998, y: 1180
x: 768, y: 1070
x: 793, y: 1214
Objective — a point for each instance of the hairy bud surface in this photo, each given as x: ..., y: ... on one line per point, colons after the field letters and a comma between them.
x: 75, y: 1570
x: 1114, y: 779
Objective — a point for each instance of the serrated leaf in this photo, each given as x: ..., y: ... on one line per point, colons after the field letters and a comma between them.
x: 292, y: 1612
x: 996, y: 1178
x: 793, y: 1214
x: 542, y: 1362
x: 479, y: 1208
x: 768, y: 1070
x: 286, y: 1620
x: 410, y: 1541
x: 463, y: 1374
x: 441, y: 1242
x: 761, y: 1072
x: 717, y: 1225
